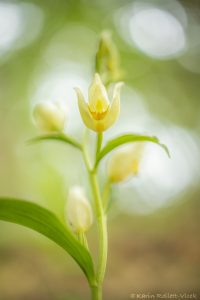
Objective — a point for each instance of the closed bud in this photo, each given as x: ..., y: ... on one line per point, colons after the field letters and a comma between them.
x: 78, y: 210
x: 125, y: 162
x: 107, y: 59
x: 49, y: 116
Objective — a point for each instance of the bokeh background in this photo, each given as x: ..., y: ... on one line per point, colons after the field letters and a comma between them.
x: 46, y: 48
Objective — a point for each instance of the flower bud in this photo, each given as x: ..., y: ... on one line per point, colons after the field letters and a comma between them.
x: 107, y: 59
x: 49, y: 116
x: 125, y: 162
x: 78, y: 210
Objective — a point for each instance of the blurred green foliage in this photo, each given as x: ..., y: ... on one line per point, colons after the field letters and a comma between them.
x: 156, y: 252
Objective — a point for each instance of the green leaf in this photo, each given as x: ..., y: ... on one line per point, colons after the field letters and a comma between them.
x: 128, y: 138
x: 45, y: 222
x: 56, y: 137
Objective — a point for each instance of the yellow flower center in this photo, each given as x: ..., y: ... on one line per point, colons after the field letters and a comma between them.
x: 98, y: 109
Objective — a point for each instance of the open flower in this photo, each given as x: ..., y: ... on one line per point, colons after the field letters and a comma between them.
x: 99, y: 114
x: 78, y: 210
x: 125, y: 162
x: 49, y: 116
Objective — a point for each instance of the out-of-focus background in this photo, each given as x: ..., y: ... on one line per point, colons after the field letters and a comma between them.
x: 48, y: 47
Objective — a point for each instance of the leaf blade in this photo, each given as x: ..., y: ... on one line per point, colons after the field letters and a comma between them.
x: 56, y: 137
x: 128, y: 138
x: 40, y: 219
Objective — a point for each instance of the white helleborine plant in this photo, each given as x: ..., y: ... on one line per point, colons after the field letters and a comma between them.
x: 49, y: 116
x: 99, y: 113
x: 125, y: 162
x: 78, y: 210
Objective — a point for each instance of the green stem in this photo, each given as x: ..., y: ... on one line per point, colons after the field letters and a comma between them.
x: 99, y: 142
x: 96, y: 293
x: 106, y: 195
x: 101, y: 221
x: 102, y: 228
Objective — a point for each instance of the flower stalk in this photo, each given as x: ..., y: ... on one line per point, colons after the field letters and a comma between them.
x: 100, y: 218
x: 102, y: 228
x: 96, y: 292
x: 99, y: 142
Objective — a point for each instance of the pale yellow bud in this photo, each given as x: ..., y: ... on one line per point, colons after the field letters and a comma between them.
x: 125, y: 162
x: 78, y: 210
x: 99, y: 113
x: 49, y: 116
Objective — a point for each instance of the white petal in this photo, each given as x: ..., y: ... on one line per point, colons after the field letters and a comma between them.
x: 84, y: 111
x: 114, y: 111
